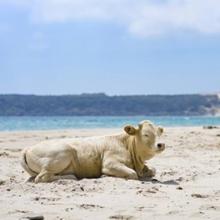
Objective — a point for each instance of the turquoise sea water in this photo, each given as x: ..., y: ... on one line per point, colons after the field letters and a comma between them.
x: 50, y: 123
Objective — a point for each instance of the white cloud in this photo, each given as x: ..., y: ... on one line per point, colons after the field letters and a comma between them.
x: 141, y: 17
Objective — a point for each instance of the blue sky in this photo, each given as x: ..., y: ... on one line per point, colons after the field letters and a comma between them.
x: 116, y: 47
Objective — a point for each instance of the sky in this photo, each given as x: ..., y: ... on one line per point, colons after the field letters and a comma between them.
x: 113, y: 46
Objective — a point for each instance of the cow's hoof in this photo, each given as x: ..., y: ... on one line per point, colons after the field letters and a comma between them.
x: 103, y: 176
x: 133, y: 176
x: 152, y: 172
x: 30, y: 179
x: 149, y: 173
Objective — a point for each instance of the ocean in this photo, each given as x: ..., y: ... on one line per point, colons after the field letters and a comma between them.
x: 15, y: 123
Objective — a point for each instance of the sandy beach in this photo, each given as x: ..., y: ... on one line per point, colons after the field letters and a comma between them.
x: 186, y: 185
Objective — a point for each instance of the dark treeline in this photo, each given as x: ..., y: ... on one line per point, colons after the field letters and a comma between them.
x: 102, y: 105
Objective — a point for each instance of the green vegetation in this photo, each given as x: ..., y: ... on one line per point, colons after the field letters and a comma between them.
x: 101, y: 104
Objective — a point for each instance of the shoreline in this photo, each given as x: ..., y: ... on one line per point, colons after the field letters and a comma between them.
x: 92, y: 129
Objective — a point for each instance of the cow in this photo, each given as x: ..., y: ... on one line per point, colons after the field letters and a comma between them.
x: 121, y: 155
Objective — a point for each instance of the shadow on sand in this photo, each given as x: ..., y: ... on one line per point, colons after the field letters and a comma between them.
x: 156, y: 181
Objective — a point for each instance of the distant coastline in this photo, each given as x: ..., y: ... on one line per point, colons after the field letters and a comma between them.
x: 103, y: 105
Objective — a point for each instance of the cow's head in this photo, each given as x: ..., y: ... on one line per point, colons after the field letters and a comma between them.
x: 145, y: 136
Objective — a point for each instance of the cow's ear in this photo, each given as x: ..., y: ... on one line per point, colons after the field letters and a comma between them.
x: 129, y: 129
x: 160, y: 131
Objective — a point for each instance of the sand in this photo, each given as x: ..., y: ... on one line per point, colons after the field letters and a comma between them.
x: 186, y: 186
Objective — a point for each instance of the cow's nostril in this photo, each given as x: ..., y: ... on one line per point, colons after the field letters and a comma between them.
x: 159, y: 145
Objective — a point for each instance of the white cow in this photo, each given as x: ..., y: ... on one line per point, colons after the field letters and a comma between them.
x: 122, y: 155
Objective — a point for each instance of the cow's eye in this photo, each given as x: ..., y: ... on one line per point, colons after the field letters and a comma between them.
x: 146, y: 135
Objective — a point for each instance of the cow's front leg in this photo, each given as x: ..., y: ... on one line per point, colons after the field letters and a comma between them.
x: 119, y: 170
x: 148, y: 172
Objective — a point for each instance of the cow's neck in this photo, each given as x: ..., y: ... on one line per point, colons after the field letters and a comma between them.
x: 137, y: 159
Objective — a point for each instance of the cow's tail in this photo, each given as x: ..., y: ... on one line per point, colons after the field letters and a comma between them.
x: 25, y: 165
